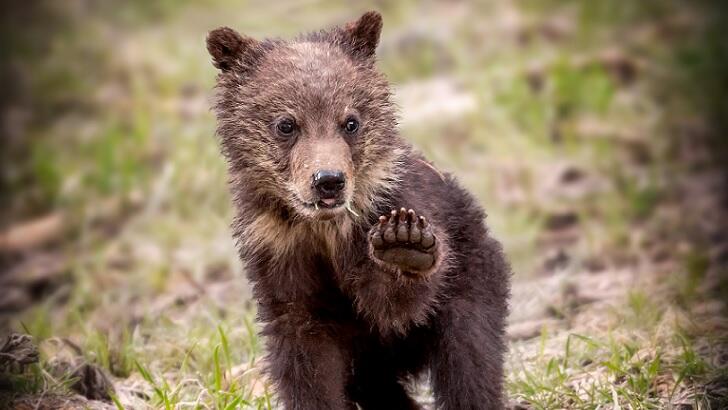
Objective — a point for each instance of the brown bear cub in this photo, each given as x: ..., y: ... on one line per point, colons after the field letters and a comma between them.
x: 369, y: 266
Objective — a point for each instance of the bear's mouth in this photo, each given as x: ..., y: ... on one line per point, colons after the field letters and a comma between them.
x: 324, y: 204
x: 328, y: 203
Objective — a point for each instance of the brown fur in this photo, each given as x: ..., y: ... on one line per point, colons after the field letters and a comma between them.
x: 353, y: 306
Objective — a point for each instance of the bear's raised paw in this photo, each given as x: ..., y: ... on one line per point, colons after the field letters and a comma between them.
x: 405, y: 240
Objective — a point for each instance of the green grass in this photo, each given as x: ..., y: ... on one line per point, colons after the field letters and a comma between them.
x: 622, y: 369
x: 215, y: 358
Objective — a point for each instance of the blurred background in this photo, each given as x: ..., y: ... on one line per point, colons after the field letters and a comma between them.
x: 593, y: 133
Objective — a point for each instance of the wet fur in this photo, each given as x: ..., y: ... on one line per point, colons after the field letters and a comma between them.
x: 341, y: 326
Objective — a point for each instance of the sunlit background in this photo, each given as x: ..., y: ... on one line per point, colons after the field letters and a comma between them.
x: 593, y: 133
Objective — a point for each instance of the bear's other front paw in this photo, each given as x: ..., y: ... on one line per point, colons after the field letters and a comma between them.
x: 405, y: 240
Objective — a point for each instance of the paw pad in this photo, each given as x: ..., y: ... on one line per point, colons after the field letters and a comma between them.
x: 404, y: 239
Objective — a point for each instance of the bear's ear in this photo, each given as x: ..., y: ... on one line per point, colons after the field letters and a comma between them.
x: 363, y: 34
x: 227, y: 47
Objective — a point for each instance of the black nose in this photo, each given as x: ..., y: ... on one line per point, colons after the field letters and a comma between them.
x: 328, y: 184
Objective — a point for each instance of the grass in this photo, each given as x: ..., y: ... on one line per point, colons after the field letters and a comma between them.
x: 158, y: 298
x: 640, y: 367
x: 220, y: 381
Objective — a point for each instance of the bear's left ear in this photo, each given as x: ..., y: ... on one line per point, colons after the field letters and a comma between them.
x: 362, y: 35
x: 228, y: 48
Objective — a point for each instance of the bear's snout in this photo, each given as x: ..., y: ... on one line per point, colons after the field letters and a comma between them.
x: 328, y: 185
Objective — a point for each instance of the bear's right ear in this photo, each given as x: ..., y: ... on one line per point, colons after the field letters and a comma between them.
x: 227, y: 47
x: 362, y: 35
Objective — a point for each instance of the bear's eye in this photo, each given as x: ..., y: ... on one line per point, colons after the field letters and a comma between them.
x: 286, y: 127
x: 351, y: 125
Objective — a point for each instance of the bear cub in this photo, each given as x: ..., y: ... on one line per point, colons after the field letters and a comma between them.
x: 370, y: 267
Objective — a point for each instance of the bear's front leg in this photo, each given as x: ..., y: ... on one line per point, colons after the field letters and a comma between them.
x: 397, y: 286
x: 405, y: 241
x: 307, y: 364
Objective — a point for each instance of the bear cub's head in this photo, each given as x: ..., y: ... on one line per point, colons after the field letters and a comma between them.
x: 307, y: 124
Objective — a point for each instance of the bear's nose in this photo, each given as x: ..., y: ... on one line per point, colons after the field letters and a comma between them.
x: 328, y: 183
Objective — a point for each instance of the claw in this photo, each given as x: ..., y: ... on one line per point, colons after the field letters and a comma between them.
x: 382, y: 220
x: 389, y: 233
x: 402, y: 215
x: 412, y: 217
